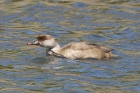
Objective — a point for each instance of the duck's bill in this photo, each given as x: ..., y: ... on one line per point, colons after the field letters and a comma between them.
x: 33, y: 43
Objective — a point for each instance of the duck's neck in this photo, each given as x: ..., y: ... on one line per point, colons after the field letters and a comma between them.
x: 56, y: 48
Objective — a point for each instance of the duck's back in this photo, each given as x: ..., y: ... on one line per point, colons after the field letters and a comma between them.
x: 83, y: 50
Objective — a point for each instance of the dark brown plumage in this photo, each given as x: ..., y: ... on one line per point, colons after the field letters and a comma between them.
x: 42, y: 37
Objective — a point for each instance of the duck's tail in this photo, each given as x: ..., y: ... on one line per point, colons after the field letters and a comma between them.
x: 110, y: 54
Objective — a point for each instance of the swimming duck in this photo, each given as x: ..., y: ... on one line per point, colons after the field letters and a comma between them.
x: 74, y: 50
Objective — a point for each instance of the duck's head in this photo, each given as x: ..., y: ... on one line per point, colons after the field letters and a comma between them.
x: 45, y: 41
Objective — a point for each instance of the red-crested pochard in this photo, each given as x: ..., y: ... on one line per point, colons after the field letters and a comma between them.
x: 73, y: 50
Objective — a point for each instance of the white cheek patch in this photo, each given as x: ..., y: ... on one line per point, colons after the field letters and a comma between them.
x: 48, y: 43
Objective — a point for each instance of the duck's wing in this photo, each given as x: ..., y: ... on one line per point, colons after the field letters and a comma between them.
x: 84, y: 46
x: 77, y: 46
x: 104, y: 48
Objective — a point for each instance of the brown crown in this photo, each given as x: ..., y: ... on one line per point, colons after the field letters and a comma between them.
x: 44, y: 37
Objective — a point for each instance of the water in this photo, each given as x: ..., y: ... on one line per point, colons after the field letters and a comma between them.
x: 26, y: 69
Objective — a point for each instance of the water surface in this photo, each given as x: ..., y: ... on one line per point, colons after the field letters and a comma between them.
x: 114, y: 23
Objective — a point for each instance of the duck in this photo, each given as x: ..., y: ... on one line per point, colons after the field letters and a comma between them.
x: 73, y: 50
